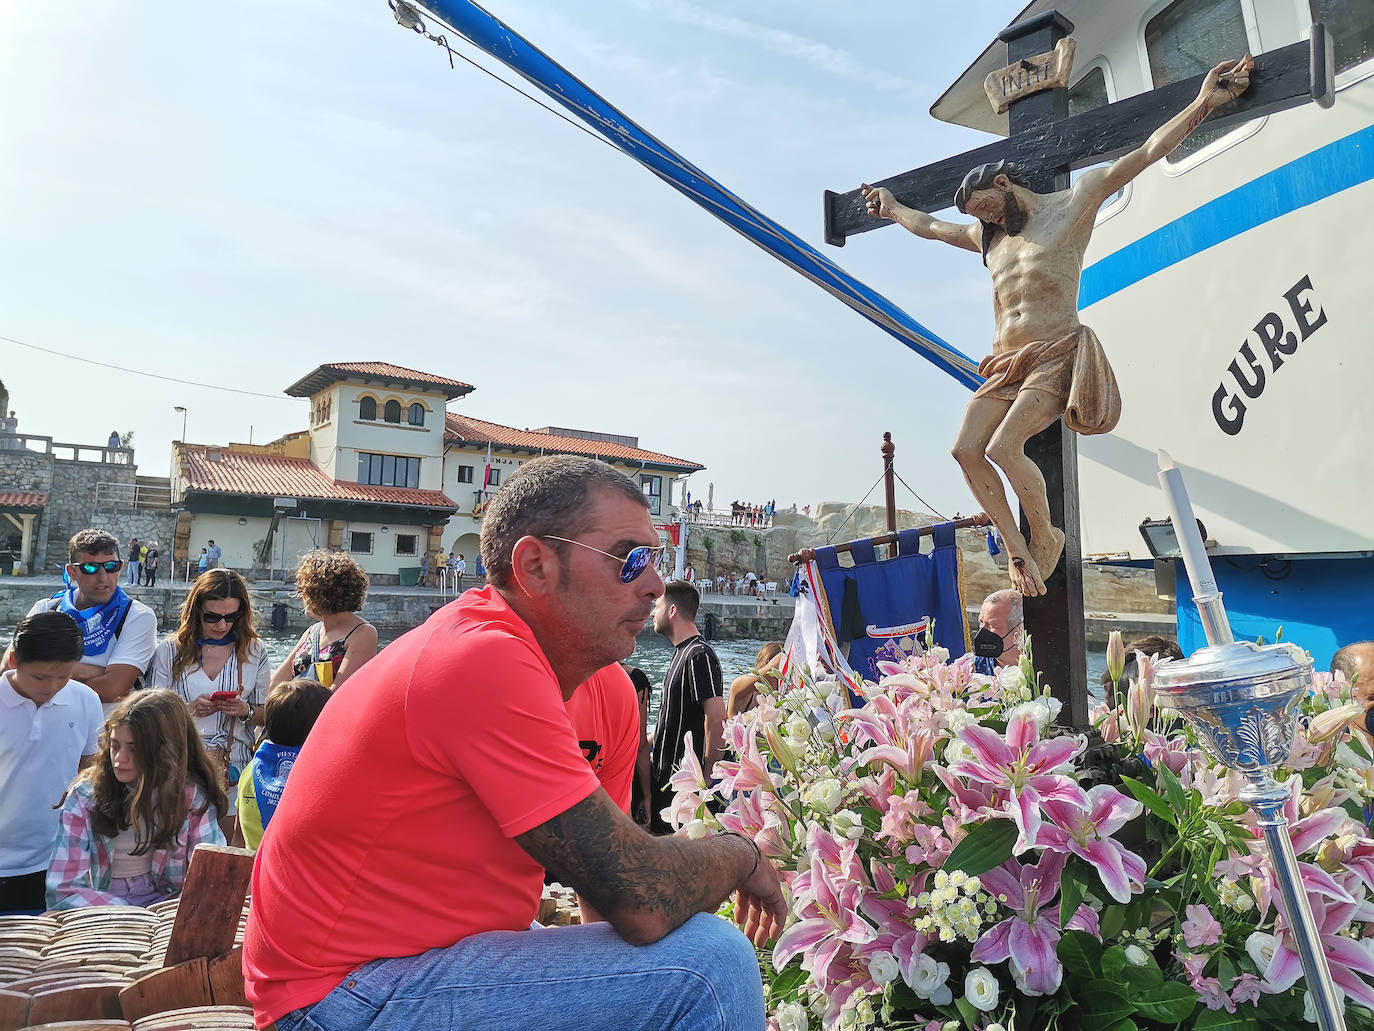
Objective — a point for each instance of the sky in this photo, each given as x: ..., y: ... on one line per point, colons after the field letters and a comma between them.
x: 235, y: 194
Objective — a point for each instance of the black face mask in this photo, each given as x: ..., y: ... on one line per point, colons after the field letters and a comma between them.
x: 1369, y: 720
x: 987, y: 644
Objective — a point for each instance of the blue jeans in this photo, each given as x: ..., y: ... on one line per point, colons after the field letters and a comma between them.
x: 702, y: 977
x: 132, y: 568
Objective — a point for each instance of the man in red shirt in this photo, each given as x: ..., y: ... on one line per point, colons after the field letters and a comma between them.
x: 396, y: 885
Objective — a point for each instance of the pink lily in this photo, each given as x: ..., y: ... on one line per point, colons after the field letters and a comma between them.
x: 1024, y: 767
x: 1028, y: 939
x: 899, y: 822
x: 749, y: 769
x: 903, y: 743
x: 1088, y: 835
x: 1347, y: 958
x: 827, y: 898
x: 691, y: 789
x: 1201, y: 928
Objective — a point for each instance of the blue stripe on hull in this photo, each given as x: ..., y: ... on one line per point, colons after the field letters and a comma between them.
x: 1328, y: 170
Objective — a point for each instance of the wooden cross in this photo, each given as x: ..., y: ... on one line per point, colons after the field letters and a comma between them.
x: 1046, y: 144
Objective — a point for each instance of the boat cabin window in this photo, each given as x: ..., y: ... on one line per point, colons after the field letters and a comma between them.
x: 1089, y: 92
x: 1186, y: 39
x: 1351, y: 24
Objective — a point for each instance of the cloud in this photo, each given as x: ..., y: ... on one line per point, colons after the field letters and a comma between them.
x: 833, y: 60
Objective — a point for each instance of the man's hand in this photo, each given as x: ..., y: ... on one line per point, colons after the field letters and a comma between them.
x: 1226, y: 82
x: 761, y: 906
x: 879, y: 201
x: 85, y: 671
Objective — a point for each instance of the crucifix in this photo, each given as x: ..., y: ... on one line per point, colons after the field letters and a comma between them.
x: 1047, y: 369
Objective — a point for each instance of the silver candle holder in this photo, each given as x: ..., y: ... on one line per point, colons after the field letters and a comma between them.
x: 1241, y: 699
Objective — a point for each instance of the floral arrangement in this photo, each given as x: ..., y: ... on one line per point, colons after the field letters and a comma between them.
x: 954, y: 860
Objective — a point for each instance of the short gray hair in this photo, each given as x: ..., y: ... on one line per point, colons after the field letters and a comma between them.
x: 550, y: 495
x: 91, y: 542
x: 1015, y: 614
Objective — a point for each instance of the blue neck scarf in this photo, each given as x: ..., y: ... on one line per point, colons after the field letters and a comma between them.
x: 271, y: 764
x: 228, y: 638
x: 98, y: 622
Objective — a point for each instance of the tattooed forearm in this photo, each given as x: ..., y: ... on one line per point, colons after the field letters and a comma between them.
x: 645, y: 886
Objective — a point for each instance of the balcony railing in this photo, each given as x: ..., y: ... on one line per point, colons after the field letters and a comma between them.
x: 132, y: 497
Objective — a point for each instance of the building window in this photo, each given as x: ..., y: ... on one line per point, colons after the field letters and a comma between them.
x: 407, y: 544
x: 417, y: 414
x: 391, y: 411
x: 1351, y: 25
x: 465, y: 474
x: 359, y: 542
x: 388, y: 470
x: 321, y: 408
x: 653, y: 490
x: 367, y: 408
x: 1088, y: 92
x: 494, y: 477
x: 1186, y: 39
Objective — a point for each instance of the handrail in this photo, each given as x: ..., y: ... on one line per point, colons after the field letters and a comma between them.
x: 981, y: 519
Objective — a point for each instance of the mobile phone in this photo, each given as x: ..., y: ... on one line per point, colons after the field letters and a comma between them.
x: 223, y: 696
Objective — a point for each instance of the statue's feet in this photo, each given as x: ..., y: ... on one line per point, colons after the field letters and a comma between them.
x: 1048, y: 553
x: 1025, y: 576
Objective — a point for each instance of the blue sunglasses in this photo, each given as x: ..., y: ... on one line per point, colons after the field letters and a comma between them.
x: 638, y: 560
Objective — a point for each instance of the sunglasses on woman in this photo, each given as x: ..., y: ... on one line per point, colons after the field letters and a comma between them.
x: 638, y: 560
x: 91, y: 568
x: 220, y: 617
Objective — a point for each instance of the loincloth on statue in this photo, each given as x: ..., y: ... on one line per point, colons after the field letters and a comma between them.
x: 1072, y: 368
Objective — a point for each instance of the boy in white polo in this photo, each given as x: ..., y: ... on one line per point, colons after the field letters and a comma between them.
x: 49, y: 728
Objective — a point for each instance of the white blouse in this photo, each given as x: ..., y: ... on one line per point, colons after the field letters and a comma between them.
x: 192, y: 683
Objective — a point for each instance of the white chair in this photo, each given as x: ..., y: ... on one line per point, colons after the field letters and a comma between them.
x: 771, y: 587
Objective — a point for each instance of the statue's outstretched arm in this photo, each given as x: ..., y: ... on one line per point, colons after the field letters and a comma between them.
x: 881, y: 204
x: 1222, y: 85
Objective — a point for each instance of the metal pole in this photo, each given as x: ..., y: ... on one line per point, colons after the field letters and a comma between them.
x: 1267, y: 798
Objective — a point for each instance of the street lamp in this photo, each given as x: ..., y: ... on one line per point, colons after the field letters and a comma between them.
x: 179, y: 408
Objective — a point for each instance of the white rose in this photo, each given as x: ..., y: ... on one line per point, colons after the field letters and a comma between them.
x: 939, y: 654
x: 824, y: 795
x: 1309, y: 1011
x: 1262, y: 948
x: 1056, y: 706
x: 825, y: 730
x: 798, y: 732
x: 994, y: 1027
x: 928, y: 979
x: 1010, y: 680
x: 1036, y: 709
x: 884, y: 968
x: 981, y: 989
x: 848, y: 824
x: 697, y: 829
x: 958, y: 719
x: 792, y: 1017
x: 958, y: 750
x: 1136, y: 956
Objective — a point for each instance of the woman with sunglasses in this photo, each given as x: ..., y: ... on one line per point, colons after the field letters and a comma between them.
x: 218, y: 665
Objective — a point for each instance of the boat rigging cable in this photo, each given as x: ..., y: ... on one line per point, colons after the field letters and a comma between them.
x: 489, y: 34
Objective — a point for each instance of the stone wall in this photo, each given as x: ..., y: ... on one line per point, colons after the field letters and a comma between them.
x: 21, y: 469
x: 723, y: 550
x: 71, y: 506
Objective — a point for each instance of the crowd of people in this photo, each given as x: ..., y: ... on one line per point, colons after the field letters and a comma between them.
x: 407, y: 805
x: 453, y: 565
x: 742, y: 513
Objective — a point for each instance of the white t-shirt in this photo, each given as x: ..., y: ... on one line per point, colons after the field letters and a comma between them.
x: 40, y: 749
x: 132, y: 647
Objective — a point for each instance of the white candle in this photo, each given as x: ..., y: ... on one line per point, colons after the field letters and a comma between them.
x: 1205, y: 592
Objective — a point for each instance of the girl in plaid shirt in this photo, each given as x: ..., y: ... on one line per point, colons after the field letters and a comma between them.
x: 133, y: 817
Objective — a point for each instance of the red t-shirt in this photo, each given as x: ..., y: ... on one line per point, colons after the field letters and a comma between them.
x: 394, y: 835
x: 605, y: 715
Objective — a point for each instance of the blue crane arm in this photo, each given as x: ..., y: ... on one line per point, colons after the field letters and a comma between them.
x: 493, y: 36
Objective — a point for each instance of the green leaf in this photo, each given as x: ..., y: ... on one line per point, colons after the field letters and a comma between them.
x: 1081, y: 955
x: 1168, y: 1003
x: 1220, y: 1020
x: 1151, y: 800
x: 1116, y: 967
x: 1070, y: 894
x: 1173, y: 789
x: 789, y: 979
x: 1101, y: 1005
x: 1124, y: 1025
x: 967, y: 1011
x: 987, y: 846
x: 1112, y: 920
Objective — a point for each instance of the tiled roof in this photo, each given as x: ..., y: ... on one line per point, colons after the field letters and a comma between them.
x: 235, y: 472
x: 466, y: 430
x: 22, y: 499
x: 326, y: 376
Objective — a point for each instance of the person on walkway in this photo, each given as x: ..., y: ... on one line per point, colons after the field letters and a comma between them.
x: 204, y: 563
x: 693, y: 695
x: 133, y: 817
x: 135, y: 552
x: 744, y: 690
x: 332, y: 587
x: 49, y: 728
x: 119, y: 633
x: 150, y: 565
x: 212, y: 555
x: 456, y: 740
x: 423, y: 581
x: 219, y: 667
x: 292, y: 709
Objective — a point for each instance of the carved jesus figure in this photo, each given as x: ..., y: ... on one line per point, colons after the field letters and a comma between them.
x: 1044, y: 363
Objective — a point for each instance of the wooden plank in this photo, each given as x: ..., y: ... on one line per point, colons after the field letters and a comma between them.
x: 226, y: 978
x: 1017, y: 81
x: 81, y: 1025
x: 211, y: 900
x: 89, y: 1002
x: 1280, y: 80
x: 14, y: 1009
x: 171, y: 988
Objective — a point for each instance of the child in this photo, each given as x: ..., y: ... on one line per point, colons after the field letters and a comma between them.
x: 49, y: 727
x: 133, y: 817
x: 292, y: 709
